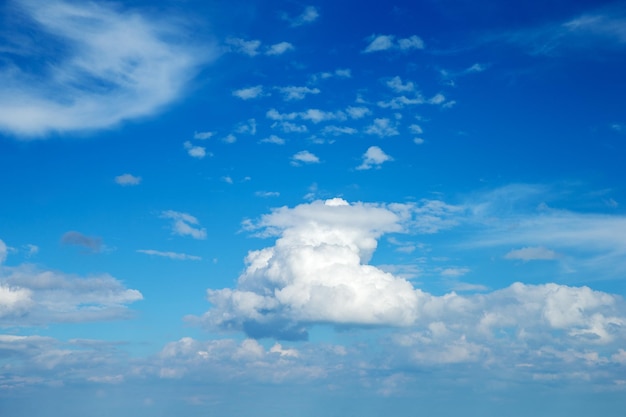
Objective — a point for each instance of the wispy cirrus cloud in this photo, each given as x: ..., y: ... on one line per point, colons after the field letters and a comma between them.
x: 309, y: 15
x: 170, y: 255
x: 184, y: 224
x: 110, y: 65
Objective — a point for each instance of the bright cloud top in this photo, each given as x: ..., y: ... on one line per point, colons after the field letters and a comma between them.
x: 317, y: 272
x: 118, y: 66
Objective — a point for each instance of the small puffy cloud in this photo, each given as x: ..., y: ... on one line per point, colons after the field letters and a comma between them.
x: 198, y: 152
x: 273, y: 139
x: 536, y: 253
x: 242, y: 46
x: 358, y: 112
x: 184, y: 224
x: 382, y: 127
x: 95, y: 80
x: 203, y: 135
x: 31, y: 250
x: 401, y: 102
x: 418, y: 141
x: 249, y: 93
x: 227, y: 179
x: 373, y: 157
x: 297, y: 93
x: 230, y: 138
x: 437, y: 99
x: 386, y: 42
x: 127, y: 180
x: 289, y: 127
x: 309, y: 15
x: 170, y: 255
x: 274, y: 114
x: 78, y: 239
x: 279, y: 48
x: 454, y: 272
x: 305, y: 157
x: 398, y: 86
x: 416, y: 129
x: 317, y: 116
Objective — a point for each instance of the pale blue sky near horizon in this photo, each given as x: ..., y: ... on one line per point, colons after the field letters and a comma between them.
x: 283, y: 207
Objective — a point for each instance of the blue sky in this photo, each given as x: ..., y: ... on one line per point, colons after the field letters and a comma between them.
x: 305, y: 208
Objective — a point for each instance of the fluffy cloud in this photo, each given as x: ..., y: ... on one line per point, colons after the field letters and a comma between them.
x: 90, y: 83
x: 386, y: 42
x: 170, y: 255
x: 304, y: 157
x: 249, y: 93
x: 202, y: 135
x: 194, y: 151
x: 273, y: 139
x: 30, y: 296
x: 358, y: 112
x: 3, y: 251
x: 373, y: 157
x: 317, y: 272
x: 78, y: 239
x: 127, y: 180
x: 243, y: 46
x: 184, y: 224
x: 398, y: 86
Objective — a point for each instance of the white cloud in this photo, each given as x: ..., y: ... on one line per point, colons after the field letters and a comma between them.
x: 203, y: 135
x: 401, y: 102
x: 416, y: 129
x: 248, y: 127
x: 230, y: 138
x: 304, y: 157
x: 127, y: 179
x: 198, y: 152
x: 279, y: 48
x: 317, y: 116
x: 297, y: 93
x: 30, y: 296
x: 274, y: 114
x: 412, y: 42
x: 374, y: 157
x: 339, y: 130
x: 249, y: 93
x: 267, y: 194
x: 3, y: 251
x: 273, y: 139
x: 111, y: 66
x: 382, y: 127
x: 532, y: 254
x: 379, y: 43
x: 397, y: 86
x: 437, y: 99
x: 170, y: 255
x: 386, y: 42
x: 184, y: 224
x: 227, y: 179
x: 309, y: 15
x: 358, y: 112
x: 242, y: 46
x: 289, y: 127
x: 418, y: 141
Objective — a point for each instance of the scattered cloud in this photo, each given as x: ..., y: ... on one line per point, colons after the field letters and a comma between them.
x: 358, y: 112
x: 203, y: 135
x: 305, y: 157
x: 230, y: 138
x: 184, y: 224
x: 379, y: 43
x: 532, y: 254
x: 273, y: 139
x: 339, y: 130
x: 248, y: 127
x: 31, y: 296
x: 382, y: 127
x: 309, y: 15
x: 74, y: 238
x: 194, y: 151
x: 297, y: 93
x: 127, y: 180
x: 267, y: 194
x: 279, y: 48
x: 374, y: 157
x: 398, y: 86
x: 170, y: 255
x: 227, y: 179
x: 89, y: 83
x: 242, y: 46
x: 249, y: 93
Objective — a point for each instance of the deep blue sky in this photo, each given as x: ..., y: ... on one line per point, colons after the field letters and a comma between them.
x: 284, y: 208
